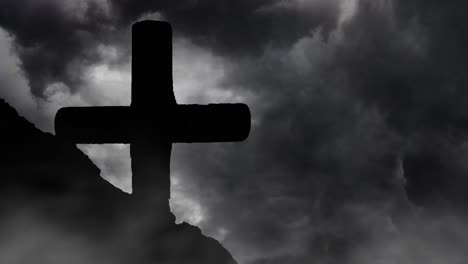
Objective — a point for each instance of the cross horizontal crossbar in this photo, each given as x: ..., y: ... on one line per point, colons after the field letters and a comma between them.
x: 181, y: 123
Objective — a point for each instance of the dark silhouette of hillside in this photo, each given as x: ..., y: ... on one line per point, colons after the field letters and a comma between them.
x: 49, y: 190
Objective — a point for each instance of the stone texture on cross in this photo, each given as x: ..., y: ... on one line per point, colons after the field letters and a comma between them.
x: 154, y: 120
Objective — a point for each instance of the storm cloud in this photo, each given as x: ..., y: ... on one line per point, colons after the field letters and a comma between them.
x: 358, y: 146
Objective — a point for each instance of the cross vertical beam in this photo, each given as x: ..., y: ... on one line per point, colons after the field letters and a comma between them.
x: 151, y: 60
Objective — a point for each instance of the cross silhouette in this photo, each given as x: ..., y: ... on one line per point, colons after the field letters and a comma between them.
x: 154, y: 120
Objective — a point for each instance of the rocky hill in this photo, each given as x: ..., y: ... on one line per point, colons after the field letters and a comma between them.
x: 55, y: 208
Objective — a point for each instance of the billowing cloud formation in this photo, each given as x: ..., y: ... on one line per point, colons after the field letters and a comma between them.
x: 54, y: 39
x: 57, y: 40
x: 358, y: 118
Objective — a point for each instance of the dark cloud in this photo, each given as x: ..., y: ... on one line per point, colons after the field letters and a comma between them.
x: 247, y: 27
x: 344, y: 133
x: 53, y: 39
x: 57, y: 40
x: 411, y: 68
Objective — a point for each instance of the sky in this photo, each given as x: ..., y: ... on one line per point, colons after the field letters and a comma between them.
x: 358, y: 149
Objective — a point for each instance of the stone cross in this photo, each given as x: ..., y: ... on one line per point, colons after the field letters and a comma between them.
x: 154, y: 120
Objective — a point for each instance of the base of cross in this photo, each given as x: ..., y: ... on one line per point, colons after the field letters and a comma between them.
x: 151, y: 183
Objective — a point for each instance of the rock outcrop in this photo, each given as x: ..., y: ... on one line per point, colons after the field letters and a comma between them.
x: 55, y: 208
